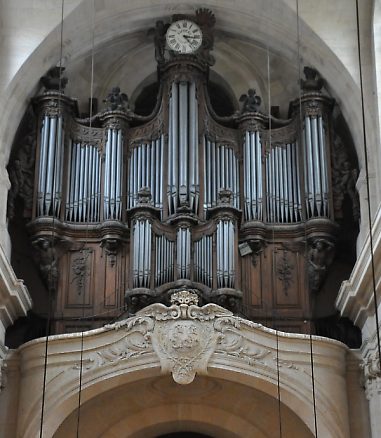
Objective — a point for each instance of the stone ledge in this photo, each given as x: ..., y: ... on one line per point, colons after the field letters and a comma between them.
x: 15, y: 300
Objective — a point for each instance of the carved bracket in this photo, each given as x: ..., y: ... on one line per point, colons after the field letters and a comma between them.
x: 48, y: 258
x: 320, y: 256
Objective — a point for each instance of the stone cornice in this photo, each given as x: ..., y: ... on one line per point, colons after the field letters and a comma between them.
x: 355, y: 299
x: 15, y: 300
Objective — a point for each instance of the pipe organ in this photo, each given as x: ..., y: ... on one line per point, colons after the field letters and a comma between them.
x: 237, y: 208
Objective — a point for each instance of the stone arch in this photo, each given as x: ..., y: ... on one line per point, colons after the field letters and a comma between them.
x: 244, y: 388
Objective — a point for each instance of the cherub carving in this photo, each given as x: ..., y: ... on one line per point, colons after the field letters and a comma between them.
x: 116, y: 100
x: 251, y: 101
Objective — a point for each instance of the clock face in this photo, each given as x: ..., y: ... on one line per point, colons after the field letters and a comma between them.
x: 184, y: 36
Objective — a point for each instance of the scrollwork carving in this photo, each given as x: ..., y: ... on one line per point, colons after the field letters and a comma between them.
x: 85, y: 134
x: 135, y: 342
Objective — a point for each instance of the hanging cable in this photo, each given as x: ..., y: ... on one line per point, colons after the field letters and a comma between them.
x: 273, y: 313
x: 87, y: 224
x: 365, y: 150
x: 51, y: 243
x: 305, y: 231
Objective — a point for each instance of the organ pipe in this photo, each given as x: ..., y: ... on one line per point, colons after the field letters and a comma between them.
x: 253, y: 193
x: 183, y: 253
x: 225, y: 261
x: 282, y: 184
x: 183, y: 176
x: 83, y: 194
x: 146, y: 171
x: 220, y: 172
x: 315, y: 167
x: 141, y: 265
x: 112, y: 204
x: 49, y: 190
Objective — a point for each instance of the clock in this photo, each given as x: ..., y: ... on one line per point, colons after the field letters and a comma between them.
x: 184, y: 36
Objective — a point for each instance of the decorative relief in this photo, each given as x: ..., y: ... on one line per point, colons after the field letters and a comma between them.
x: 146, y: 133
x: 184, y: 336
x: 135, y: 342
x: 284, y: 272
x: 220, y: 134
x: 371, y: 367
x: 21, y: 175
x: 344, y: 178
x: 85, y: 134
x: 312, y: 108
x: 81, y: 270
x: 280, y: 136
x: 233, y: 343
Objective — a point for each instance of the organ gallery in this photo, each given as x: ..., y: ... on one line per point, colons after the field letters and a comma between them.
x: 123, y: 207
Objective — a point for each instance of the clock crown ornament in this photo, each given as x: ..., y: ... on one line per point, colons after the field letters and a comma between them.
x: 186, y: 35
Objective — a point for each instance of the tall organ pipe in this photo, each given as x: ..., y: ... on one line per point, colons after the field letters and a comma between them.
x: 113, y: 174
x: 145, y: 170
x: 220, y: 172
x: 316, y: 179
x: 183, y: 175
x: 82, y: 198
x: 253, y: 175
x: 49, y: 190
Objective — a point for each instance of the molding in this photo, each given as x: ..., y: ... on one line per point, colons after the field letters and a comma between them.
x: 355, y: 298
x: 15, y: 300
x: 184, y: 340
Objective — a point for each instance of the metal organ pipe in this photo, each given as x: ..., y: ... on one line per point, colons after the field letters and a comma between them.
x: 113, y: 174
x: 49, y: 190
x: 225, y: 263
x: 316, y: 185
x: 141, y: 269
x: 145, y: 170
x: 83, y: 195
x: 253, y: 175
x: 220, y: 172
x: 183, y: 173
x: 323, y: 165
x: 282, y: 184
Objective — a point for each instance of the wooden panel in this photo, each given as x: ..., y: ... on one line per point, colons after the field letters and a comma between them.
x: 286, y: 279
x: 111, y: 280
x: 80, y: 278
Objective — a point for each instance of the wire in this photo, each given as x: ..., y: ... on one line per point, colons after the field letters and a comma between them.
x: 365, y: 149
x: 50, y: 275
x: 87, y: 224
x: 305, y: 218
